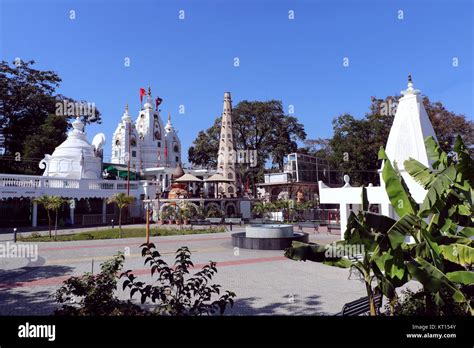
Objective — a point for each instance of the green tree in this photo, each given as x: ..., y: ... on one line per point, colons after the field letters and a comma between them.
x: 122, y: 201
x: 49, y: 135
x: 56, y: 203
x: 48, y: 204
x: 260, y: 126
x: 355, y: 142
x: 27, y: 100
x: 205, y: 146
x: 51, y: 203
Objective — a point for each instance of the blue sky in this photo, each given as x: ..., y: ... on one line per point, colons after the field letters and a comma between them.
x: 190, y: 62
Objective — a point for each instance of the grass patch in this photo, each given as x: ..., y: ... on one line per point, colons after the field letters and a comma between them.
x: 114, y: 234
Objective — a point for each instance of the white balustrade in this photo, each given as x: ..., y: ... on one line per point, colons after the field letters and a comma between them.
x: 12, y: 185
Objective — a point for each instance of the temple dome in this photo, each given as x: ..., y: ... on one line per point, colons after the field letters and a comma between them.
x: 75, y: 158
x: 178, y: 172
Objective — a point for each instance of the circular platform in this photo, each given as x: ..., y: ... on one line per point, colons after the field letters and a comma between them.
x: 240, y: 240
x: 269, y: 231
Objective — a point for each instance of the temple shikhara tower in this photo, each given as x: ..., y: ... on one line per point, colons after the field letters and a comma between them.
x: 226, y: 159
x: 411, y: 126
x: 151, y: 143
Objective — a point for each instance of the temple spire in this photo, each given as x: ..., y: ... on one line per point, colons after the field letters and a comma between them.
x: 126, y: 117
x: 410, y: 89
x: 169, y: 126
x: 227, y: 155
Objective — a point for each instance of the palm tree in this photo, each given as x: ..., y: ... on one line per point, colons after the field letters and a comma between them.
x: 46, y: 201
x: 122, y: 200
x: 56, y: 203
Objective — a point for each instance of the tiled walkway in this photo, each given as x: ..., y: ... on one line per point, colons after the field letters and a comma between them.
x: 265, y: 282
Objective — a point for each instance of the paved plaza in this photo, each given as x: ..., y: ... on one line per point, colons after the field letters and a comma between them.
x: 265, y: 282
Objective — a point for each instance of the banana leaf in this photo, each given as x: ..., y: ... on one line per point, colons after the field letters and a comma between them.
x: 300, y: 251
x: 418, y: 171
x: 458, y: 253
x: 436, y: 154
x: 461, y: 277
x: 433, y: 279
x: 467, y: 232
x: 396, y: 189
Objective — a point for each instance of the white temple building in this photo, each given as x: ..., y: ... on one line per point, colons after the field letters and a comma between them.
x: 75, y: 158
x: 75, y: 171
x: 148, y: 142
x: 411, y: 126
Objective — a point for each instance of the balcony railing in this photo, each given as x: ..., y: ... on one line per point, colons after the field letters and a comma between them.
x: 21, y: 183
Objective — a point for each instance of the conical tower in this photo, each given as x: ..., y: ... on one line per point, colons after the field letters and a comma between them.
x: 411, y: 126
x: 227, y: 154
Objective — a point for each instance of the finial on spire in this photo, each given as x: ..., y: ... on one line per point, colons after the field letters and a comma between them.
x: 410, y: 89
x: 126, y: 108
x: 149, y: 90
x: 169, y: 118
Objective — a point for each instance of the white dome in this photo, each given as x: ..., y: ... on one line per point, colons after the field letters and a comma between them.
x: 75, y: 158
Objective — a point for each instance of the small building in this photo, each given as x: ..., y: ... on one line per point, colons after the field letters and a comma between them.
x: 300, y: 175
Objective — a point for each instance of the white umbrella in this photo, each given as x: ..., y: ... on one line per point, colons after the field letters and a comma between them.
x: 188, y: 178
x: 218, y: 178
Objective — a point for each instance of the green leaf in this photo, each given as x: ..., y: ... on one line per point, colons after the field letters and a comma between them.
x: 378, y: 222
x: 341, y: 263
x: 458, y: 253
x: 467, y: 232
x: 435, y: 154
x: 402, y: 228
x: 300, y: 251
x: 461, y: 277
x: 396, y: 190
x: 422, y: 174
x: 433, y: 279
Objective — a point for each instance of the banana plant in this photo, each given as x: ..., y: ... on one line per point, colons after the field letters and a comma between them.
x: 442, y: 228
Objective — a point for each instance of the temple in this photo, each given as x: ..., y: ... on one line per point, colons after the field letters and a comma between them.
x: 411, y: 126
x: 145, y: 150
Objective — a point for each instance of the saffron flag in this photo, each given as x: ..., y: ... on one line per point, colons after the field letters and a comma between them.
x: 142, y: 93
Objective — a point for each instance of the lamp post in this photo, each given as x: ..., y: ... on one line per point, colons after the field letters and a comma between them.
x: 148, y: 220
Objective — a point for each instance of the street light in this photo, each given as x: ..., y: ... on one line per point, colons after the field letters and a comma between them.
x: 148, y: 220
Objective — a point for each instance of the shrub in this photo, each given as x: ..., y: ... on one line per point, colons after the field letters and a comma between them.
x: 94, y: 294
x: 176, y: 292
x: 412, y: 303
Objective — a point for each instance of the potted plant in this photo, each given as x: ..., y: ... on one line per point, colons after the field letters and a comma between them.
x: 214, y: 215
x: 169, y: 213
x: 185, y: 212
x: 178, y: 216
x: 162, y: 218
